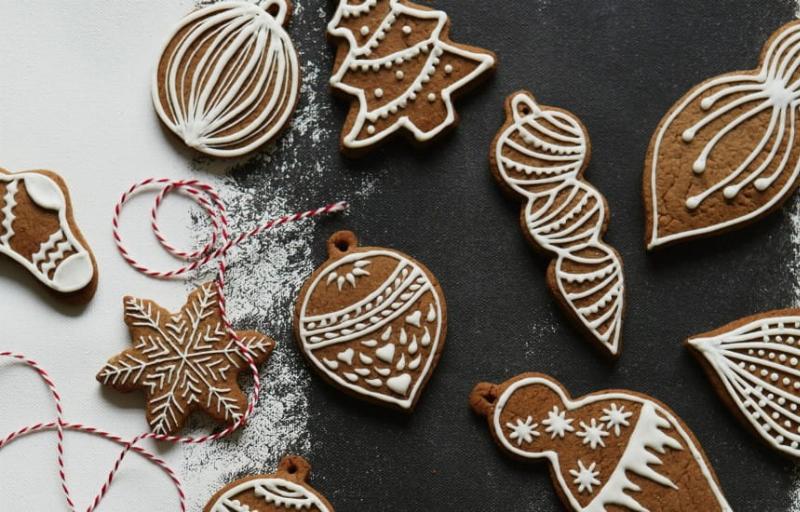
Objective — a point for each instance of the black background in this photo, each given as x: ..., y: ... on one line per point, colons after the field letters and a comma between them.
x: 619, y: 65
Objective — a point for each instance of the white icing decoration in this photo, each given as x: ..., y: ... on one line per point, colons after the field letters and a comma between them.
x: 573, y: 227
x: 557, y: 424
x: 772, y: 90
x: 256, y: 71
x: 616, y: 418
x: 757, y: 365
x: 396, y: 299
x: 71, y: 274
x: 523, y: 431
x: 585, y: 477
x: 592, y: 434
x: 358, y: 57
x: 637, y: 458
x: 274, y: 491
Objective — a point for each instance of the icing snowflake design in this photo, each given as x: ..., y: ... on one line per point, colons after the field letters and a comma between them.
x: 615, y: 418
x: 585, y: 477
x: 523, y: 431
x: 184, y: 361
x: 351, y: 277
x: 557, y: 423
x: 592, y: 434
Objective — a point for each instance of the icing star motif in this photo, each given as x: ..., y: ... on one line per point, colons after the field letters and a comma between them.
x: 557, y: 423
x: 615, y: 418
x: 523, y: 432
x: 585, y: 477
x: 184, y: 361
x: 357, y: 271
x: 593, y: 434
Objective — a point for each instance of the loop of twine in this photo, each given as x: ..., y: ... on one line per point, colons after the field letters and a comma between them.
x: 214, y: 251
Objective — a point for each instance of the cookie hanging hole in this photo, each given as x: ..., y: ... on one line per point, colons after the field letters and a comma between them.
x: 483, y: 398
x: 341, y: 243
x: 295, y: 467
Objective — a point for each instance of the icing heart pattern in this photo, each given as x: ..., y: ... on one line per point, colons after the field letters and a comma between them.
x: 37, y: 230
x: 607, y: 449
x: 539, y: 156
x: 378, y: 334
x: 727, y: 153
x: 755, y: 364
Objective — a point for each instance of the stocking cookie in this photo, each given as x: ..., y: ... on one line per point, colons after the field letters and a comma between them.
x: 283, y: 491
x: 228, y: 78
x: 38, y: 231
x: 728, y: 153
x: 615, y: 448
x: 538, y: 157
x: 753, y: 364
x: 372, y: 321
x: 184, y: 361
x: 395, y: 59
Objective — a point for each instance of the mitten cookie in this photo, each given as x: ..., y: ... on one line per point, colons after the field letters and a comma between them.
x: 38, y: 230
x: 372, y: 321
x: 397, y: 63
x: 538, y: 157
x: 727, y: 153
x: 606, y: 450
x: 184, y: 361
x: 753, y: 364
x: 228, y: 77
x: 283, y: 491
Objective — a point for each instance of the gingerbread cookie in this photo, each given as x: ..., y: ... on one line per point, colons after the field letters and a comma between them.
x: 372, y: 321
x: 286, y: 490
x: 184, y: 361
x: 228, y: 77
x: 538, y: 157
x: 38, y: 231
x: 607, y: 450
x: 396, y: 62
x: 753, y: 364
x: 727, y: 153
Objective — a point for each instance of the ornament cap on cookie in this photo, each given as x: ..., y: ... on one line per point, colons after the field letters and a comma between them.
x: 538, y: 157
x: 228, y: 78
x: 38, y: 230
x: 609, y: 448
x: 728, y: 152
x: 286, y: 490
x: 754, y: 365
x: 372, y: 321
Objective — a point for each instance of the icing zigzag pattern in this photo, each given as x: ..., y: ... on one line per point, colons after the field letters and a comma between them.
x: 540, y: 156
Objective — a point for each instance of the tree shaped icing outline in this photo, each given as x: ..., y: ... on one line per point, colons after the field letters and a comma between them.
x: 358, y: 58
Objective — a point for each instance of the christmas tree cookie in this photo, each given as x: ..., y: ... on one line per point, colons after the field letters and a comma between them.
x: 395, y: 61
x: 610, y: 450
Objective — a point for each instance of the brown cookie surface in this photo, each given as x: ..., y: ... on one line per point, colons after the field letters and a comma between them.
x: 38, y: 230
x: 539, y: 157
x: 727, y: 153
x: 372, y: 321
x: 228, y: 78
x: 753, y: 365
x: 283, y: 491
x: 184, y: 361
x: 395, y: 60
x: 610, y: 450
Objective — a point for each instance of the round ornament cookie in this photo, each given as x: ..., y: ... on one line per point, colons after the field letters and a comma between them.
x: 372, y: 321
x: 727, y: 153
x: 613, y: 449
x: 228, y: 77
x: 396, y: 62
x: 38, y: 230
x: 286, y: 490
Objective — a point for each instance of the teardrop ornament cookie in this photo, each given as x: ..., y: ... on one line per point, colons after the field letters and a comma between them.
x: 372, y: 321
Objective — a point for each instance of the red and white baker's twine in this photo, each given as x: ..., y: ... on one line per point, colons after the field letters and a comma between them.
x: 216, y: 250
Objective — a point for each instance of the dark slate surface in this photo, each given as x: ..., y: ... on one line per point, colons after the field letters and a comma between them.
x: 619, y: 65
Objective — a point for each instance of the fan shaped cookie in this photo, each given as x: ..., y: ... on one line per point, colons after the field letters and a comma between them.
x: 372, y: 321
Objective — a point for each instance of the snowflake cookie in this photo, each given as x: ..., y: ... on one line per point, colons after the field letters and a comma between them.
x: 607, y: 450
x: 184, y: 361
x: 286, y: 490
x: 396, y: 62
x: 372, y: 321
